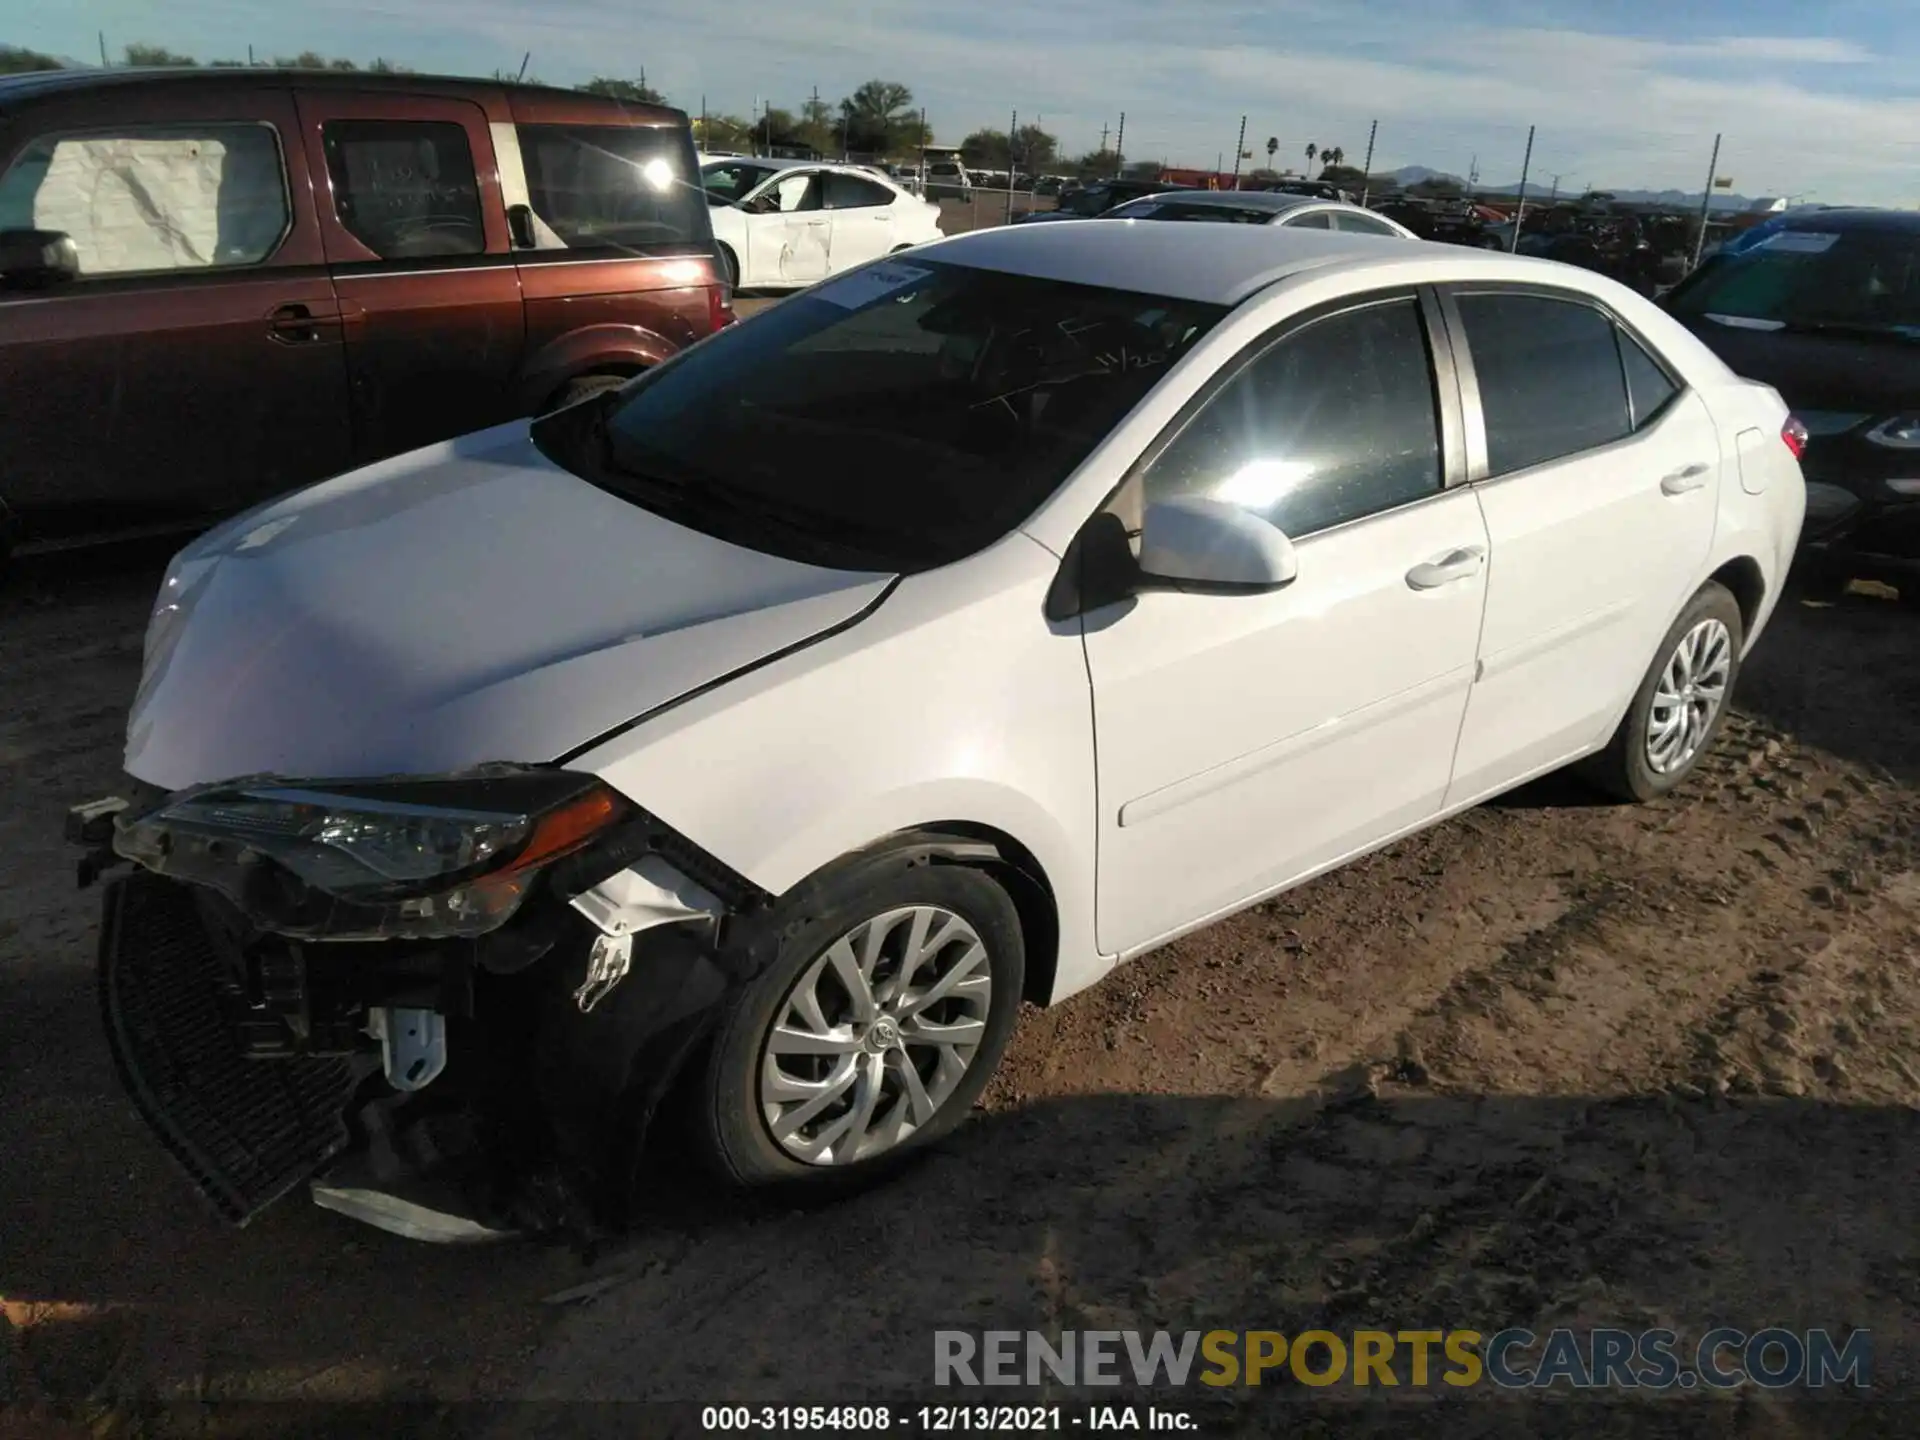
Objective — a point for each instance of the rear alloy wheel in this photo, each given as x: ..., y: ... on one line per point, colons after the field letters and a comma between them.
x: 872, y: 1033
x: 1680, y: 704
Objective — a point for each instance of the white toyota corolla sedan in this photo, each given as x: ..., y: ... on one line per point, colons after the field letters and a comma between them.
x: 759, y: 735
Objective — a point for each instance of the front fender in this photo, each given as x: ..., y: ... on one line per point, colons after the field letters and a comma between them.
x: 953, y: 703
x: 592, y: 349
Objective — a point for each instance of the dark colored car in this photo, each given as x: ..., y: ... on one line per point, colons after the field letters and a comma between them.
x: 217, y: 285
x: 1826, y: 309
x: 1086, y: 201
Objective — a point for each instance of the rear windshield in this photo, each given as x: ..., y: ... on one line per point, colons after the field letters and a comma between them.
x: 1175, y: 210
x: 896, y: 418
x: 1812, y: 279
x: 624, y: 187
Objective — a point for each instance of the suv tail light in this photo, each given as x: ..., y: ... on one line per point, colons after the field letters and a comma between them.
x: 719, y: 308
x: 1794, y: 433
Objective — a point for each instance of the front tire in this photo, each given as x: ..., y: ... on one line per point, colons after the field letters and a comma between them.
x: 1680, y: 704
x: 868, y: 1038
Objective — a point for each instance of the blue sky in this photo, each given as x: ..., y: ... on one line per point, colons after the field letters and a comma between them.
x: 1814, y: 100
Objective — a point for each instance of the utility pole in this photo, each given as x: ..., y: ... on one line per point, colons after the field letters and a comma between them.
x: 1238, y: 146
x: 1554, y: 194
x: 1473, y: 176
x: 1120, y: 147
x: 1013, y: 128
x: 1520, y: 211
x: 104, y: 62
x: 705, y: 134
x: 1706, y: 204
x: 249, y: 55
x: 524, y: 60
x: 1366, y: 167
x: 1104, y: 130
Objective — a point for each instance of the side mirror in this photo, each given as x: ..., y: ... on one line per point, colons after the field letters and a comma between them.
x: 31, y: 258
x: 1199, y: 541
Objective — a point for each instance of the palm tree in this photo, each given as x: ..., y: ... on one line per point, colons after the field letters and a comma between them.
x: 1333, y: 157
x: 1312, y: 150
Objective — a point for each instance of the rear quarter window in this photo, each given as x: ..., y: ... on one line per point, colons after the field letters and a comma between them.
x: 1549, y: 376
x: 613, y: 187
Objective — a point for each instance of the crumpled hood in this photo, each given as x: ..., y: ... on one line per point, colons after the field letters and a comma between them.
x: 465, y: 603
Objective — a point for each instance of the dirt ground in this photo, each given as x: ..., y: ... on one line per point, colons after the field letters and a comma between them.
x: 1554, y: 1062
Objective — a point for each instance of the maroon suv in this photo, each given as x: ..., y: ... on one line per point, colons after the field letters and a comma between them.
x: 216, y: 285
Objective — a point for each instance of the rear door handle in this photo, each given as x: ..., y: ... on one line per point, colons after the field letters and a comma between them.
x: 1454, y: 565
x: 1681, y: 481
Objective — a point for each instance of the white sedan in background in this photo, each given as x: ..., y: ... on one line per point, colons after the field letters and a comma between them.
x: 1260, y: 207
x: 789, y: 223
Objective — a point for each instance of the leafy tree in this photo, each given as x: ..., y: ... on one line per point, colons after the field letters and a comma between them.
x: 311, y: 60
x: 637, y: 92
x: 818, y: 129
x: 18, y: 60
x: 383, y: 66
x: 1144, y: 169
x: 1094, y: 165
x: 143, y: 54
x: 1033, y: 150
x: 1439, y: 186
x: 879, y: 118
x: 721, y: 132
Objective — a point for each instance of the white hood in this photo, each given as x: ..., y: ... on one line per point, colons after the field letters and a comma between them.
x: 469, y: 602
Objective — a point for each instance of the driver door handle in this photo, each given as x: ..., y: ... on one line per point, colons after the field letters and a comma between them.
x: 1690, y: 478
x: 1454, y: 565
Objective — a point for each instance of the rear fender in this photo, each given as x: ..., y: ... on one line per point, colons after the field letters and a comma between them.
x: 592, y: 350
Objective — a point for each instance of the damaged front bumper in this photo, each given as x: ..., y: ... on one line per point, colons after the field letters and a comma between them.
x: 452, y: 1088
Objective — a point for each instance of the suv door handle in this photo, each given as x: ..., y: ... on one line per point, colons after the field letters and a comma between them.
x: 302, y: 323
x: 1445, y: 569
x: 1681, y: 481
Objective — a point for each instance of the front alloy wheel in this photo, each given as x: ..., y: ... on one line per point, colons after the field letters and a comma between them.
x: 876, y: 1035
x: 872, y: 1031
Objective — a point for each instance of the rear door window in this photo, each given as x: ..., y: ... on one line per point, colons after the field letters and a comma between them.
x: 151, y: 198
x: 850, y: 192
x: 1550, y: 379
x: 612, y: 187
x: 1649, y: 387
x: 1362, y: 224
x: 1312, y: 220
x: 405, y: 188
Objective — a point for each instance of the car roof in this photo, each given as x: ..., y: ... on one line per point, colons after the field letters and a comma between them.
x: 1224, y: 264
x: 1859, y: 217
x: 16, y: 88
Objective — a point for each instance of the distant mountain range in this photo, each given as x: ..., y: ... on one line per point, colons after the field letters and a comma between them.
x: 1537, y: 189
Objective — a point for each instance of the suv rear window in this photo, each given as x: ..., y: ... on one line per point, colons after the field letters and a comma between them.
x: 623, y: 187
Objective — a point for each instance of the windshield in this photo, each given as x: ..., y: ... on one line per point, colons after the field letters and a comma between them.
x: 733, y: 180
x: 899, y: 417
x: 1812, y: 279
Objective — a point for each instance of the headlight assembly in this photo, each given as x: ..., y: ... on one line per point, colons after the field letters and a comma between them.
x: 398, y: 858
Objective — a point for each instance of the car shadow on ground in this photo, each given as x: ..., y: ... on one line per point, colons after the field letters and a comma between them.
x: 1844, y: 676
x: 1367, y: 1204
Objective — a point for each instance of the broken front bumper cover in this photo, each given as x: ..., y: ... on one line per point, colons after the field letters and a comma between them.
x: 248, y: 1051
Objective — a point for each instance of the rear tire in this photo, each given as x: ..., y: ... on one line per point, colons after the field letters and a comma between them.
x: 1670, y: 725
x: 892, y: 1070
